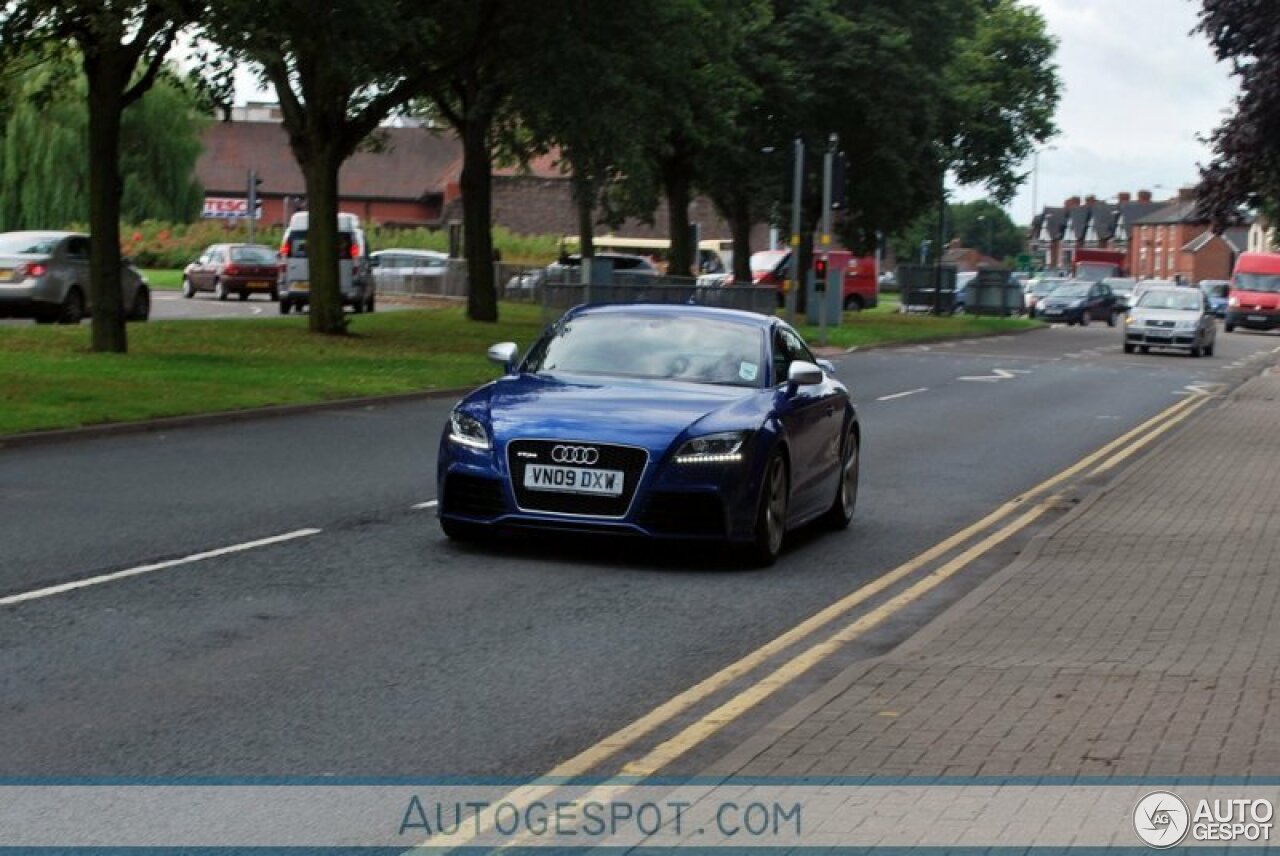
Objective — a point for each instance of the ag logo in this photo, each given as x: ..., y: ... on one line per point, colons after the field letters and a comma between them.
x: 1161, y: 819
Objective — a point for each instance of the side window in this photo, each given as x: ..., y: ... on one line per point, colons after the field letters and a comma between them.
x: 77, y: 249
x: 787, y: 348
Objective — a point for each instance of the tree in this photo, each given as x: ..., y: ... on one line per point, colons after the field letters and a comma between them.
x: 1245, y: 170
x: 122, y: 49
x: 982, y: 225
x: 44, y: 167
x: 338, y: 73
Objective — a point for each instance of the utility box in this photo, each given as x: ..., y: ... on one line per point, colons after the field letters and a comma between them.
x: 832, y: 293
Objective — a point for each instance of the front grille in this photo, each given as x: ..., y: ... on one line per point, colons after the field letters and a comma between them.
x: 627, y: 459
x: 473, y: 496
x: 685, y: 514
x: 1166, y: 325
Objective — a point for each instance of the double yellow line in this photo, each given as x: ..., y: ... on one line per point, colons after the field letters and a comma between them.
x: 1028, y: 507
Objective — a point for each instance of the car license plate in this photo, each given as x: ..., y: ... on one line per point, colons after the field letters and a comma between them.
x: 259, y: 285
x: 1257, y: 318
x: 573, y: 480
x: 1053, y: 312
x: 300, y: 286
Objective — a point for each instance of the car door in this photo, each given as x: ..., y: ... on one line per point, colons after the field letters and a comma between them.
x: 813, y: 427
x: 75, y: 253
x: 1208, y: 326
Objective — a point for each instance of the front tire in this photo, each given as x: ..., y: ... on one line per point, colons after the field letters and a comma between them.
x: 1111, y: 318
x: 141, y: 305
x: 1129, y: 349
x: 220, y: 290
x: 1084, y: 318
x: 771, y: 513
x: 840, y: 515
x: 188, y: 289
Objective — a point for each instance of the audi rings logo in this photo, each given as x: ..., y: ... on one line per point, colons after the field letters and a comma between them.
x: 582, y: 455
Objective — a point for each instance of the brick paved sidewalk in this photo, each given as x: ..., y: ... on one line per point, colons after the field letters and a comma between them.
x: 1141, y: 638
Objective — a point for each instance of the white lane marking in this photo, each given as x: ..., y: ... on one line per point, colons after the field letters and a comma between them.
x: 39, y: 594
x: 898, y: 395
x: 999, y: 375
x: 423, y: 506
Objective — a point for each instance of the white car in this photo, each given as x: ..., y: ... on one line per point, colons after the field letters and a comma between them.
x: 1171, y: 317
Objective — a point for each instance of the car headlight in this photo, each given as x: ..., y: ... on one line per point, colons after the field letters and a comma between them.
x: 713, y: 449
x: 467, y: 431
x: 1077, y: 304
x: 1185, y: 325
x: 1128, y: 321
x: 1233, y: 302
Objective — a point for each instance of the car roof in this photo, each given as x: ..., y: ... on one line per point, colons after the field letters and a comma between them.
x: 428, y: 254
x: 38, y: 233
x: 679, y: 310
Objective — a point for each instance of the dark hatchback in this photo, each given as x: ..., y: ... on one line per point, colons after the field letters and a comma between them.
x: 1079, y: 302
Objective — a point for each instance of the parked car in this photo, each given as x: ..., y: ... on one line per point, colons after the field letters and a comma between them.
x: 1079, y: 302
x: 1122, y: 287
x: 568, y: 268
x: 860, y: 289
x: 964, y: 279
x: 227, y: 269
x: 1218, y: 293
x: 1255, y: 293
x: 666, y: 421
x: 355, y: 278
x: 1171, y: 317
x: 1038, y: 289
x: 45, y: 276
x: 392, y: 268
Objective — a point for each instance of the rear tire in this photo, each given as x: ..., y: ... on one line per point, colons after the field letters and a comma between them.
x: 771, y: 514
x: 372, y: 304
x: 1084, y: 318
x: 244, y: 295
x: 285, y: 306
x: 72, y: 311
x: 840, y: 515
x: 853, y: 303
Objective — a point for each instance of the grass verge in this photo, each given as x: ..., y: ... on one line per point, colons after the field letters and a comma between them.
x: 164, y: 279
x: 884, y: 325
x: 49, y: 380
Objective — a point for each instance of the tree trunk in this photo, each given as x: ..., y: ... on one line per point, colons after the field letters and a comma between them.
x: 584, y: 196
x: 739, y: 217
x: 676, y: 183
x: 321, y: 173
x: 477, y: 219
x: 106, y: 104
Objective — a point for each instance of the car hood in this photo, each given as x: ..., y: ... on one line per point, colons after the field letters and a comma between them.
x: 1162, y: 315
x: 1052, y: 300
x: 648, y: 413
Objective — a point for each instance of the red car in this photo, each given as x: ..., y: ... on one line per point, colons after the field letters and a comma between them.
x: 861, y: 290
x: 227, y: 269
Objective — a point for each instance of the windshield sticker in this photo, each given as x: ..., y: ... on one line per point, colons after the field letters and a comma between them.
x: 749, y: 372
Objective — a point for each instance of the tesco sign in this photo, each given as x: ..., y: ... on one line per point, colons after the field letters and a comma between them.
x: 227, y: 208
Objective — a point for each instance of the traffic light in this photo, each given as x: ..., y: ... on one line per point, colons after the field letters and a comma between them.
x: 254, y: 183
x: 820, y: 273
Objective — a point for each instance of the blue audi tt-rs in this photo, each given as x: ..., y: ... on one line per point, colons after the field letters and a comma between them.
x: 667, y: 421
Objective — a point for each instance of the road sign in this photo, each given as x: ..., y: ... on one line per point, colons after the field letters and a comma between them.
x: 228, y: 208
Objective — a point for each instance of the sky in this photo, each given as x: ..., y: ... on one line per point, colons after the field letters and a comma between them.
x: 1138, y: 92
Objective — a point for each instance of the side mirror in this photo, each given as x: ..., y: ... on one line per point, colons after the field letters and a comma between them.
x: 804, y: 374
x: 827, y: 366
x: 505, y: 354
x: 375, y: 262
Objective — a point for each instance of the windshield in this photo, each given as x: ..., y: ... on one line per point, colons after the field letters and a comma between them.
x: 765, y: 262
x: 1182, y: 300
x: 1071, y: 291
x: 27, y: 245
x: 1268, y: 282
x: 253, y: 255
x: 1214, y: 289
x: 1044, y: 286
x: 1120, y: 286
x: 648, y: 346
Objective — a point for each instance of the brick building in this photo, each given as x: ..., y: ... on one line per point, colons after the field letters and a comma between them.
x: 411, y: 178
x: 1161, y: 239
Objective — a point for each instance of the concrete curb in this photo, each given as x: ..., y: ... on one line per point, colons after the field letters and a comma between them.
x: 221, y: 417
x: 757, y: 743
x: 939, y: 340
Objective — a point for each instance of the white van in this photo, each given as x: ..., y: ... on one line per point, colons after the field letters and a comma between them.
x: 354, y: 266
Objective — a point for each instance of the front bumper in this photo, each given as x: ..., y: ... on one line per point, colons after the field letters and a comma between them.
x: 1256, y: 320
x: 705, y: 502
x: 1183, y: 340
x: 1064, y: 316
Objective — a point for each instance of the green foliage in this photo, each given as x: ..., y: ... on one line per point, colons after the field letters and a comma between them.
x: 981, y: 225
x: 44, y: 165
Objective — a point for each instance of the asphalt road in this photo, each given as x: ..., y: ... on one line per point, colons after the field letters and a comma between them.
x: 375, y: 647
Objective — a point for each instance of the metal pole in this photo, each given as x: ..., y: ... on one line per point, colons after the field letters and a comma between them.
x: 828, y: 167
x: 252, y: 204
x: 797, y: 193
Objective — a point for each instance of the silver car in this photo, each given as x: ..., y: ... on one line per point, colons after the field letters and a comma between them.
x: 45, y: 276
x: 1171, y: 317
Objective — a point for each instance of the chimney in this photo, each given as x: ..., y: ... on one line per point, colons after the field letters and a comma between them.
x: 1090, y: 200
x: 1073, y: 202
x: 1187, y: 194
x: 1144, y: 195
x: 1123, y: 198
